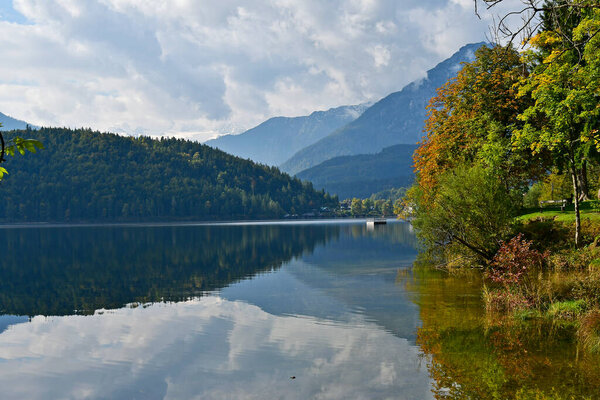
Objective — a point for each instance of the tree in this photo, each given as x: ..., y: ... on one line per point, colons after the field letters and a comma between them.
x: 472, y: 120
x: 16, y: 144
x: 356, y: 207
x: 367, y: 205
x: 399, y: 204
x: 469, y: 215
x: 556, y: 187
x: 535, y: 15
x: 387, y: 208
x: 565, y: 87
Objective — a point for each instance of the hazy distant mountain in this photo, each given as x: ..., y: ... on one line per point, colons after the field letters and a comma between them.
x: 397, y: 118
x: 364, y: 174
x: 277, y: 139
x: 8, y: 123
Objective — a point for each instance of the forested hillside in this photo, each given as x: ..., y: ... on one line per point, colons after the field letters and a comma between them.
x: 364, y: 174
x: 83, y: 175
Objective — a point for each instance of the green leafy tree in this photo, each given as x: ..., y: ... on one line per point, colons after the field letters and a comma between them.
x: 379, y: 206
x: 16, y: 145
x: 388, y: 208
x: 565, y: 86
x: 469, y: 215
x: 367, y: 205
x: 356, y: 207
x: 556, y: 187
x: 532, y: 198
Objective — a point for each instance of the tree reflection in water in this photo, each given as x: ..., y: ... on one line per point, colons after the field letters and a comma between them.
x: 471, y: 355
x: 63, y: 271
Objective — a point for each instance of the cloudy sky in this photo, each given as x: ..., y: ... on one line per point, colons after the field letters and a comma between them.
x: 196, y: 69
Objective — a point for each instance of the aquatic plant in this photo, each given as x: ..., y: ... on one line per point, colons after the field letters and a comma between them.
x: 589, y: 331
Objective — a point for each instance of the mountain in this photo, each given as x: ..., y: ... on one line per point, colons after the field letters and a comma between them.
x: 396, y: 119
x: 8, y: 123
x: 277, y: 139
x: 362, y: 175
x: 83, y: 175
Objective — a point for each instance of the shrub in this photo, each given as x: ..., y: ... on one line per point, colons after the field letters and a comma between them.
x: 575, y: 259
x: 587, y: 286
x: 502, y: 300
x: 514, y: 261
x: 547, y: 233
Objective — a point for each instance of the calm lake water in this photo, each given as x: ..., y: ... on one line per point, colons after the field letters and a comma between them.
x: 326, y: 310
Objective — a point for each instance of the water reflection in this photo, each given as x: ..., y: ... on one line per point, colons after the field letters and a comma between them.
x: 324, y: 309
x: 353, y: 274
x: 61, y: 271
x: 209, y: 349
x: 471, y: 356
x: 333, y: 305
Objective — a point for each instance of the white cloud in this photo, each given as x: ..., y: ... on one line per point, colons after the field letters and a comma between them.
x: 199, y: 68
x: 381, y: 56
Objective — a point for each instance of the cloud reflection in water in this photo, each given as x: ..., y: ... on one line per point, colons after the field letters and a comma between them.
x: 208, y: 348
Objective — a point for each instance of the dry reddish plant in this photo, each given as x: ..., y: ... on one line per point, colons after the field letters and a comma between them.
x: 514, y: 260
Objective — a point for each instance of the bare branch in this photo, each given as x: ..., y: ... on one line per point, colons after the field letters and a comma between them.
x: 530, y: 12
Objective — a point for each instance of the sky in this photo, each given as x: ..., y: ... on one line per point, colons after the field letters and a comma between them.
x: 198, y: 69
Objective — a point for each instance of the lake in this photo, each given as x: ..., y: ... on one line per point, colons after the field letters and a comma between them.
x: 294, y: 310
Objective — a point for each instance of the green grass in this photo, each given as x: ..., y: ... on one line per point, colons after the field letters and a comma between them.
x: 594, y: 264
x: 569, y: 308
x: 588, y: 209
x: 526, y: 314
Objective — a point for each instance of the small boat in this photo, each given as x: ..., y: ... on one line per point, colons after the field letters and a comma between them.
x: 371, y: 222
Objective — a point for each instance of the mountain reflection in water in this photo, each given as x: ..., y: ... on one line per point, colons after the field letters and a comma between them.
x: 61, y: 271
x: 234, y: 311
x: 316, y: 302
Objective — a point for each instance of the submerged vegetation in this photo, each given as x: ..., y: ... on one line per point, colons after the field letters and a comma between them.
x: 506, y: 171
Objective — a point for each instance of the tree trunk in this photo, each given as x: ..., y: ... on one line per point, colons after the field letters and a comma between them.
x: 484, y: 254
x: 583, y: 182
x: 575, y: 199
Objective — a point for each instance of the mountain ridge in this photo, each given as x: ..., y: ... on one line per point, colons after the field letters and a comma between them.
x: 381, y: 125
x: 10, y: 123
x: 278, y: 138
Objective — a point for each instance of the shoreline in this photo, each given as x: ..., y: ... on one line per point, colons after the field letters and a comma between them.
x: 26, y: 225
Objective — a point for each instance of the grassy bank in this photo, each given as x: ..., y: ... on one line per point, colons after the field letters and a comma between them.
x: 588, y: 210
x: 543, y: 276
